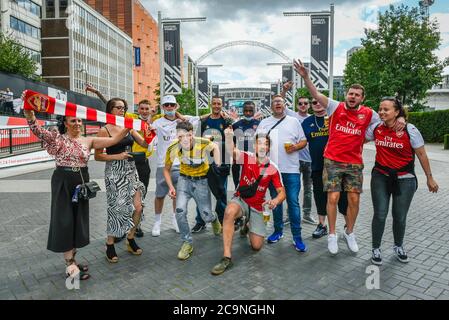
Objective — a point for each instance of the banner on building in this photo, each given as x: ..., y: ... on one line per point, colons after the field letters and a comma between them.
x: 137, y: 56
x: 319, y: 64
x: 172, y: 58
x: 287, y: 75
x: 203, y: 92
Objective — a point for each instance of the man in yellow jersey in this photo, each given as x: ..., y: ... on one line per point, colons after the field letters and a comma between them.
x: 192, y: 153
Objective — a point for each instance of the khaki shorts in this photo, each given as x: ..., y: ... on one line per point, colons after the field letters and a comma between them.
x: 338, y: 175
x: 256, y: 224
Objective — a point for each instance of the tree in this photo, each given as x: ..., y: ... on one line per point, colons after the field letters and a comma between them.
x: 186, y: 101
x: 14, y: 58
x: 398, y: 58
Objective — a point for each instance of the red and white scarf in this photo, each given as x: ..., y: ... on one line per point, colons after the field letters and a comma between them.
x: 42, y: 103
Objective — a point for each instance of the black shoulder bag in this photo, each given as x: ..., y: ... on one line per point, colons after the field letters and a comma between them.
x: 88, y: 190
x: 250, y: 190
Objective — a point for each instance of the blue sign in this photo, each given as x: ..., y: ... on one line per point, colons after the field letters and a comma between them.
x: 137, y: 56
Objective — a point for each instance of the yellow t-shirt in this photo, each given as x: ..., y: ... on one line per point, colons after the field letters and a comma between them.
x: 195, y: 162
x: 137, y: 147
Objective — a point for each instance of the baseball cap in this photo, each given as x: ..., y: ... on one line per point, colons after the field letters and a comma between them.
x: 168, y: 99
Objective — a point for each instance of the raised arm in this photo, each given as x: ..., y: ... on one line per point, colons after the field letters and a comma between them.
x: 229, y: 144
x: 304, y: 73
x: 98, y: 93
x: 45, y: 135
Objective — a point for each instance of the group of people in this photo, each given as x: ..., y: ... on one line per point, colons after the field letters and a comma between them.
x: 195, y: 156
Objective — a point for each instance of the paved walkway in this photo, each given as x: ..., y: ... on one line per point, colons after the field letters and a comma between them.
x: 29, y: 271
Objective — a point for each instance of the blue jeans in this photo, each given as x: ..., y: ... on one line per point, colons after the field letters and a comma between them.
x: 292, y: 184
x: 381, y: 202
x: 305, y: 168
x: 199, y: 191
x: 219, y: 207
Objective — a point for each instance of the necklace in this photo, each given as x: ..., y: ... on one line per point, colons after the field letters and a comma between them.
x: 324, y: 124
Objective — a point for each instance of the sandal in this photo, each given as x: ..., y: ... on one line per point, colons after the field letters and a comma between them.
x: 111, y: 255
x: 73, y: 271
x: 132, y: 247
x: 82, y: 267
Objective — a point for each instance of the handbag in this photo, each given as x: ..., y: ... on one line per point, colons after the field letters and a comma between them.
x: 250, y: 190
x: 88, y: 190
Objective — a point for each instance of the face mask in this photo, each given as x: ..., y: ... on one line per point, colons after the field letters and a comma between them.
x: 248, y: 118
x: 170, y: 113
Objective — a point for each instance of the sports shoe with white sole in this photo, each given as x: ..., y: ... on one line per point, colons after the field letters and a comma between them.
x: 401, y: 255
x: 332, y: 243
x: 351, y: 242
x: 156, y: 232
x: 376, y: 257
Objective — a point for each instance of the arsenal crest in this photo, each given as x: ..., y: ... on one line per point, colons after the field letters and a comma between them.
x: 38, y: 102
x: 361, y: 116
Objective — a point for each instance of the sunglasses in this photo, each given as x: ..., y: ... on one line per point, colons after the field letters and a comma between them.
x: 303, y: 103
x: 119, y: 108
x: 314, y: 102
x: 169, y: 104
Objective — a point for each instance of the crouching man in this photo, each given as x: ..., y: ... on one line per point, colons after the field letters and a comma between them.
x: 249, y: 199
x: 192, y: 153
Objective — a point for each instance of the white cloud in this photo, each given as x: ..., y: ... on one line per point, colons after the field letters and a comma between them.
x: 262, y: 21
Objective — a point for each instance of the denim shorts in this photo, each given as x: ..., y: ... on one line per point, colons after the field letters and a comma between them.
x: 256, y: 224
x: 161, y: 184
x: 338, y: 175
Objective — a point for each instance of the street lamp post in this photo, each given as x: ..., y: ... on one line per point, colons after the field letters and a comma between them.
x: 329, y: 13
x: 160, y: 23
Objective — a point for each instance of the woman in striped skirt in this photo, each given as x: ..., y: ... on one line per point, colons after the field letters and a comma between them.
x: 125, y: 193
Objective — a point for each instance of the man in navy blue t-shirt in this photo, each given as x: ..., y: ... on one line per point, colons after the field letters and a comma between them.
x: 316, y: 129
x: 244, y: 133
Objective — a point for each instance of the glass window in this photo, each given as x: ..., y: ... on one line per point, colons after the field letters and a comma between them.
x: 50, y: 8
x: 14, y: 23
x: 63, y: 8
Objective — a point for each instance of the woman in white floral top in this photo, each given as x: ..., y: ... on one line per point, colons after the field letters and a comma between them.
x: 69, y: 223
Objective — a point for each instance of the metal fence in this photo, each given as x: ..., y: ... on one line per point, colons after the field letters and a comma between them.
x: 19, y: 140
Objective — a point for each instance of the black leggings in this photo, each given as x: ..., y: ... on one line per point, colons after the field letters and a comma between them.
x: 320, y: 196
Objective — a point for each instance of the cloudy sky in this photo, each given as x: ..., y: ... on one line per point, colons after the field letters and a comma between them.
x: 263, y: 21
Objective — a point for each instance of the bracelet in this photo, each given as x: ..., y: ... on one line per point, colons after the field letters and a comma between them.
x: 429, y: 175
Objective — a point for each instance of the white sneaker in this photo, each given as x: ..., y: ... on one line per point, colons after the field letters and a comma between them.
x: 332, y: 243
x: 156, y: 232
x: 175, y: 224
x: 350, y: 241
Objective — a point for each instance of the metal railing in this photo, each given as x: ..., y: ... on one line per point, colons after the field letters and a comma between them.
x: 20, y: 140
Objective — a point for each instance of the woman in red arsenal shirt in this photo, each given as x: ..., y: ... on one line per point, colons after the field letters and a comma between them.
x: 393, y: 175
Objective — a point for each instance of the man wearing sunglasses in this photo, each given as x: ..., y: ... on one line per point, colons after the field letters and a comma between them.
x: 166, y: 133
x: 192, y: 152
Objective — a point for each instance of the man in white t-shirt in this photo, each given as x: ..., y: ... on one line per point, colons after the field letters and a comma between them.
x: 166, y: 132
x: 287, y: 138
x: 305, y: 161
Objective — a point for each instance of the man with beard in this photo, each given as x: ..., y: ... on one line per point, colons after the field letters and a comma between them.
x: 343, y: 163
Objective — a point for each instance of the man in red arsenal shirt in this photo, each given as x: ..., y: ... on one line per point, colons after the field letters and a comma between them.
x: 257, y: 171
x: 343, y: 161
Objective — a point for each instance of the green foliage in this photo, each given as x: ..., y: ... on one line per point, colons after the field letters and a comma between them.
x: 157, y: 93
x: 398, y: 58
x: 433, y: 125
x: 15, y: 59
x: 186, y: 101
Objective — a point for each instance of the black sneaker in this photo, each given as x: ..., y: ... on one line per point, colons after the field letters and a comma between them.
x: 118, y: 239
x: 198, y: 228
x: 319, y: 232
x: 238, y: 224
x: 401, y: 254
x: 139, y: 233
x: 376, y: 257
